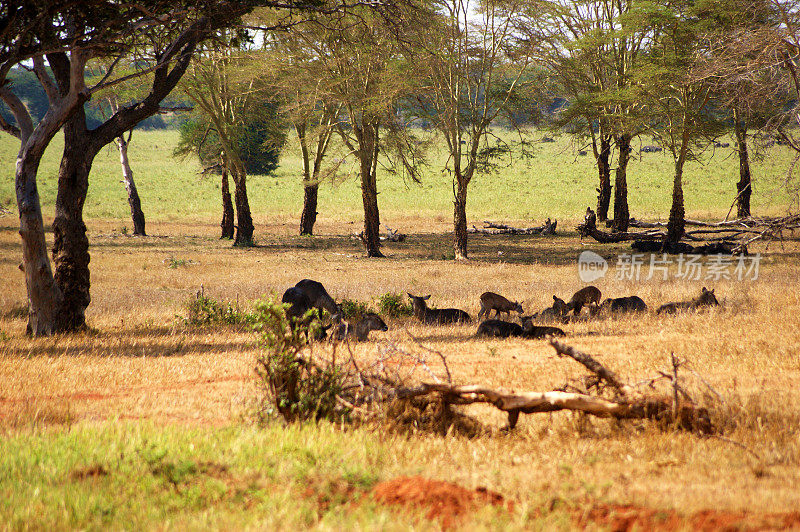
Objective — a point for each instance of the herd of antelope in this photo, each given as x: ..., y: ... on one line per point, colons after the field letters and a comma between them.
x: 309, y: 294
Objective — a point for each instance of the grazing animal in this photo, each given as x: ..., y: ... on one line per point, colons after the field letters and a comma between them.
x: 300, y: 304
x: 498, y: 329
x: 318, y: 296
x: 584, y: 296
x: 624, y: 304
x: 438, y: 316
x: 705, y: 299
x: 491, y: 301
x: 359, y: 329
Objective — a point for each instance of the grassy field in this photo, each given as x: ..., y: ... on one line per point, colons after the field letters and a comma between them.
x: 555, y: 183
x: 146, y: 423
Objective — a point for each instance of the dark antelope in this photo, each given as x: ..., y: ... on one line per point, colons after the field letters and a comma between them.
x: 624, y: 304
x: 555, y: 313
x: 505, y: 329
x: 705, y: 299
x: 438, y: 316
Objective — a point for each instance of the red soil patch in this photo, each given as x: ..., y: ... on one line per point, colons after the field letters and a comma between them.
x: 444, y: 500
x: 624, y: 518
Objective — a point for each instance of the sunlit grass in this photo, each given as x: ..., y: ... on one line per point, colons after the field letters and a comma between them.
x: 555, y: 183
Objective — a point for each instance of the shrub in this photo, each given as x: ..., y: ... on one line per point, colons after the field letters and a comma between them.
x: 394, y: 306
x: 174, y: 263
x: 352, y: 308
x: 291, y: 380
x: 202, y: 310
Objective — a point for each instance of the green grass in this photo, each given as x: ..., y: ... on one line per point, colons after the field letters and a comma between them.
x: 554, y: 183
x: 138, y: 476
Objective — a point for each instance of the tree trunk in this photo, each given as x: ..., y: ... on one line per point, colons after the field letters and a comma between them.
x: 226, y: 224
x: 70, y: 243
x: 130, y: 186
x: 309, y: 216
x: 244, y: 225
x: 460, y: 219
x: 368, y: 154
x: 603, y: 169
x: 621, y: 214
x: 372, y: 221
x: 677, y: 221
x: 44, y: 296
x: 743, y: 187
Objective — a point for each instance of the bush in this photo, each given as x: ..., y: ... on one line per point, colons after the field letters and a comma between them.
x: 292, y: 381
x: 352, y: 308
x: 394, y: 306
x: 203, y: 310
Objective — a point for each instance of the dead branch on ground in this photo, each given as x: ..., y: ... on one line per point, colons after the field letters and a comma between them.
x: 491, y: 228
x: 727, y: 236
x: 368, y: 390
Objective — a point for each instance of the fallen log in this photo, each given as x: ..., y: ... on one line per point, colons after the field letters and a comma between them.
x: 628, y: 403
x: 722, y: 247
x: 491, y: 228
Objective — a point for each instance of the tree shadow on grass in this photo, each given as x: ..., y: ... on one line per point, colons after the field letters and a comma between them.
x: 552, y: 250
x: 141, y: 342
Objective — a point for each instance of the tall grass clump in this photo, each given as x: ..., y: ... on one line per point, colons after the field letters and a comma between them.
x: 291, y: 380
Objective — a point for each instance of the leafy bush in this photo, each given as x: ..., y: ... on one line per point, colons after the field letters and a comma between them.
x: 299, y: 387
x: 202, y: 310
x: 174, y: 263
x: 352, y: 308
x: 394, y: 305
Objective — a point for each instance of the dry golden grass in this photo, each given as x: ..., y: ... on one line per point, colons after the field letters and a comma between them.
x: 138, y: 362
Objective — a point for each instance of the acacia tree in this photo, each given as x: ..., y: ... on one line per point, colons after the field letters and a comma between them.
x: 736, y: 58
x: 675, y: 97
x: 591, y: 46
x: 112, y: 101
x: 357, y: 59
x: 299, y: 78
x: 230, y: 92
x: 469, y: 73
x: 65, y: 35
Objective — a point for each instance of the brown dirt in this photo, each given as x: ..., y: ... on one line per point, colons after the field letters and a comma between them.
x: 451, y: 504
x: 625, y: 518
x: 444, y: 501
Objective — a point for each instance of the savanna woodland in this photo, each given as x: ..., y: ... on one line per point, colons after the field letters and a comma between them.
x: 383, y: 264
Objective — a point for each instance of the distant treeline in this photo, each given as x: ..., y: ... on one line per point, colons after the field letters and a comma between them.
x: 27, y: 87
